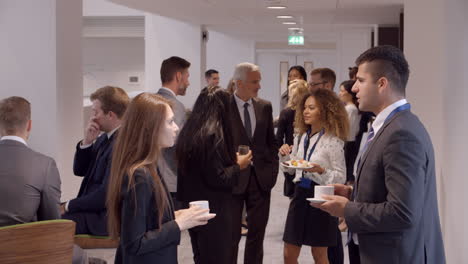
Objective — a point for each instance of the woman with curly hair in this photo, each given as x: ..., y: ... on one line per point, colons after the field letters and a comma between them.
x: 322, y: 123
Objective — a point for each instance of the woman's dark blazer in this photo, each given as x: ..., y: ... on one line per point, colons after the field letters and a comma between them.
x: 142, y: 240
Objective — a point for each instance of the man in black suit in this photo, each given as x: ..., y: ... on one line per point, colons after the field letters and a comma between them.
x: 252, y: 124
x: 93, y: 162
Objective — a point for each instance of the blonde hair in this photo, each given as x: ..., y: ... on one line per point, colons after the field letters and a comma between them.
x: 301, y: 88
x: 333, y: 114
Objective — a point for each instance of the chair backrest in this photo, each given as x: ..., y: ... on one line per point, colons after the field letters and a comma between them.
x: 37, y: 242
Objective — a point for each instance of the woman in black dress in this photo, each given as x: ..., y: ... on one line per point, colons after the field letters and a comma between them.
x: 139, y: 206
x: 207, y: 170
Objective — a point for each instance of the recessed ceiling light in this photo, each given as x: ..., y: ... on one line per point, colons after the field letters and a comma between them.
x: 289, y: 23
x: 276, y: 7
x: 284, y: 17
x: 295, y: 28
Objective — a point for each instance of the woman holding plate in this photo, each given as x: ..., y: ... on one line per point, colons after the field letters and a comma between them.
x: 322, y: 123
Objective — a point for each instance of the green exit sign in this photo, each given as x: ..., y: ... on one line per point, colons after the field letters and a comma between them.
x: 296, y: 40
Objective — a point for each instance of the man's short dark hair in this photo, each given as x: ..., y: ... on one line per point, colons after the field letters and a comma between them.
x: 171, y: 66
x: 209, y: 72
x: 15, y: 112
x: 112, y: 98
x: 326, y: 74
x: 389, y: 62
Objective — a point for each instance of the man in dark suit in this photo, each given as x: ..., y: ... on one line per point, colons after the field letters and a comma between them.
x: 29, y: 180
x: 174, y: 78
x: 252, y: 124
x: 393, y: 213
x: 93, y: 162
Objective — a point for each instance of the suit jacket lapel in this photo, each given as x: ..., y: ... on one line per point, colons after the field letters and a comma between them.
x: 371, y: 144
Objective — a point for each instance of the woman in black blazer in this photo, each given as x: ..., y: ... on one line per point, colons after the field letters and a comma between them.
x: 207, y: 170
x: 139, y: 205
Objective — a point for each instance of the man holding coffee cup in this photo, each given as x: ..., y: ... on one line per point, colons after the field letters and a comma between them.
x: 252, y: 125
x: 392, y: 212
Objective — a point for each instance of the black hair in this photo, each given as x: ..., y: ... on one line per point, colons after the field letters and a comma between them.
x: 348, y: 86
x: 387, y: 61
x: 301, y: 71
x: 209, y: 72
x: 207, y: 129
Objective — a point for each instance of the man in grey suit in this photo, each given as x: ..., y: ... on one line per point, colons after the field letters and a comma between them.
x: 393, y: 213
x: 174, y: 78
x: 29, y: 180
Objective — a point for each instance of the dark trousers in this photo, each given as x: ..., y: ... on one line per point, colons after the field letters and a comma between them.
x: 353, y: 251
x: 336, y: 254
x: 257, y: 203
x: 212, y: 243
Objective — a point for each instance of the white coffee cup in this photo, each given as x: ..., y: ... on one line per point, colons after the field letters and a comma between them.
x: 320, y: 190
x: 201, y: 204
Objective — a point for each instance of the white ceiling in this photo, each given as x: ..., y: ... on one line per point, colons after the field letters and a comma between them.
x: 251, y: 18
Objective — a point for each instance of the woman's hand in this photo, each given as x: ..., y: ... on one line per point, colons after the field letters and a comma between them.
x: 316, y: 168
x: 244, y: 160
x: 191, y: 217
x: 285, y: 149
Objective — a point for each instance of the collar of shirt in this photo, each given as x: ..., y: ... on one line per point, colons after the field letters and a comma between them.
x: 109, y: 134
x: 15, y: 138
x: 167, y: 89
x: 380, y: 118
x: 240, y: 103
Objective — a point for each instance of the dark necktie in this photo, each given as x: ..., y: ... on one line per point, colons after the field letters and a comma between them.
x: 247, y: 122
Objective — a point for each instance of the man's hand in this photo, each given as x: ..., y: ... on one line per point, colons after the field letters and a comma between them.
x: 334, y: 205
x: 92, y: 131
x: 62, y: 208
x: 343, y: 190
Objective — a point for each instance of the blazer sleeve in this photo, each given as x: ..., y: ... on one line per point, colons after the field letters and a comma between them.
x: 272, y: 144
x: 404, y: 164
x: 219, y: 176
x: 50, y: 195
x: 281, y: 131
x: 135, y: 237
x: 83, y: 159
x: 95, y: 200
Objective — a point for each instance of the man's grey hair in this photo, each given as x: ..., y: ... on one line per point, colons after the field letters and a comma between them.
x: 242, y: 69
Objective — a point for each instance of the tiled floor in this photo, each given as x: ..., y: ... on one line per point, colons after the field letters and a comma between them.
x: 273, y: 245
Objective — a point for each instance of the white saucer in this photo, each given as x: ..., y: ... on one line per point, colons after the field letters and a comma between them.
x: 316, y: 200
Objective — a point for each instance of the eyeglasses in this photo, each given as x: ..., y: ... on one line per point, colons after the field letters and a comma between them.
x: 315, y: 84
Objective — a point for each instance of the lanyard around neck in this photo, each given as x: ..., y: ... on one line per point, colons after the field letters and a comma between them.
x: 307, y: 142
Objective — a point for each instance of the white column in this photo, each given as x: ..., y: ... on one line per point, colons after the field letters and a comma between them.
x: 40, y: 47
x: 436, y: 46
x: 166, y: 37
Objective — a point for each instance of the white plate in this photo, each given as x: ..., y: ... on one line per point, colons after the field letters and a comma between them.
x: 316, y: 200
x: 287, y: 164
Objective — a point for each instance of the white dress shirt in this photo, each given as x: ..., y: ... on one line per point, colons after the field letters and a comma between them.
x: 15, y: 138
x: 240, y: 106
x: 380, y: 118
x: 354, y: 120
